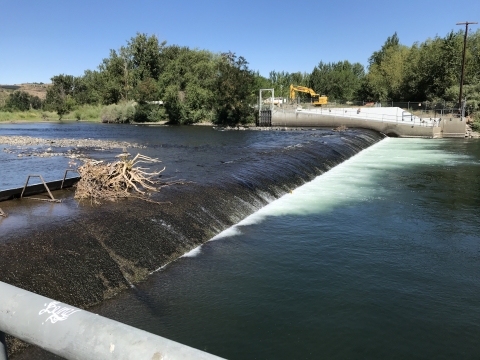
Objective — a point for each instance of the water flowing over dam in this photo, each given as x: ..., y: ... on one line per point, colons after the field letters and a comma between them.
x: 87, y: 253
x: 377, y: 256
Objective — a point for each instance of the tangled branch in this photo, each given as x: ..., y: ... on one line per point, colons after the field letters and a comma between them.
x: 121, y: 179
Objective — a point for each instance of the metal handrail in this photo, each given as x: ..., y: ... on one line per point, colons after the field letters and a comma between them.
x: 73, y: 333
x: 353, y: 113
x: 52, y: 199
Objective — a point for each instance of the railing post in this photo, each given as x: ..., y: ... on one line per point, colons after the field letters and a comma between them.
x: 3, y: 347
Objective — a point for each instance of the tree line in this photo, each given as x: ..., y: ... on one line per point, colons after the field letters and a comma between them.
x: 198, y: 85
x: 194, y: 85
x: 427, y: 71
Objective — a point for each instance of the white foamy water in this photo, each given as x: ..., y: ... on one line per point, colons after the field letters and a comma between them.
x: 192, y: 253
x: 355, y: 180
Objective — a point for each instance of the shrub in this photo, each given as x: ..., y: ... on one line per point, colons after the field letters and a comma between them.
x: 6, y: 116
x: 91, y: 112
x: 476, y: 122
x: 150, y: 113
x: 121, y: 113
x: 157, y: 113
x: 476, y: 126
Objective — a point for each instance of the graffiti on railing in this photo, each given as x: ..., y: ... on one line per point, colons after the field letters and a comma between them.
x: 58, y: 313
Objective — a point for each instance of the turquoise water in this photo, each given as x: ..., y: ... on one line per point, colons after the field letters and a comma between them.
x: 378, y: 258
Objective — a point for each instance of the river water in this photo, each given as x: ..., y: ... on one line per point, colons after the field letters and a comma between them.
x: 195, y: 153
x: 377, y: 258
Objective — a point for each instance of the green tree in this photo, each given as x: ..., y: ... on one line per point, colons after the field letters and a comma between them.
x: 19, y: 100
x: 392, y: 42
x: 60, y: 96
x: 35, y: 102
x: 146, y: 90
x: 145, y: 56
x: 278, y: 80
x: 88, y: 88
x: 234, y: 91
x: 187, y: 84
x: 128, y: 73
x: 114, y: 85
x: 433, y: 67
x: 386, y: 73
x: 339, y: 80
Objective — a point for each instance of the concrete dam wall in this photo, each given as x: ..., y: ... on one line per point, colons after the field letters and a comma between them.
x: 392, y: 121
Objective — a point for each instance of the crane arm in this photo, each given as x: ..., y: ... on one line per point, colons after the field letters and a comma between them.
x: 317, y: 99
x: 299, y: 88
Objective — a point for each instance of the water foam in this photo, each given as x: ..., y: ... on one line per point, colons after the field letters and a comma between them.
x: 193, y: 252
x: 353, y: 181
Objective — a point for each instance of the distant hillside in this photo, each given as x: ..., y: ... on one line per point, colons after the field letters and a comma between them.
x: 39, y: 90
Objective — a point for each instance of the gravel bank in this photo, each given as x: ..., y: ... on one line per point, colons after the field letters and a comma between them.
x: 31, y: 141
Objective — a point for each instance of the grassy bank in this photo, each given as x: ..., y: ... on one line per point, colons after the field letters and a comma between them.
x: 86, y: 112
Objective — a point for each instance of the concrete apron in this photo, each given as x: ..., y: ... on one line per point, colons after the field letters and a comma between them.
x: 449, y: 127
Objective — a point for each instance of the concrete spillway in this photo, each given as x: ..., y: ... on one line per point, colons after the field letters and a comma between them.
x: 392, y: 121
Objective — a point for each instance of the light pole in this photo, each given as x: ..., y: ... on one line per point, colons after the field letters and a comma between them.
x: 466, y: 23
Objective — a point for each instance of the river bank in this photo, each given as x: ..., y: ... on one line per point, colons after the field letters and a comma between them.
x: 82, y: 254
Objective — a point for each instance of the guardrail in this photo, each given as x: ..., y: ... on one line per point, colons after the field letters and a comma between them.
x: 73, y: 333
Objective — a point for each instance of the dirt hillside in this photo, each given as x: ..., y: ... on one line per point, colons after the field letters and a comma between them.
x: 39, y: 90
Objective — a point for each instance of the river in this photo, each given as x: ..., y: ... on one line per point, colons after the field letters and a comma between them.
x: 377, y: 258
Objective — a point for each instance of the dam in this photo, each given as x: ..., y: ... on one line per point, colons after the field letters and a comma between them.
x: 379, y: 255
x: 381, y: 238
x: 391, y: 121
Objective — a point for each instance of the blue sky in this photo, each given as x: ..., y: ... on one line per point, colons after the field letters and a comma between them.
x: 40, y: 39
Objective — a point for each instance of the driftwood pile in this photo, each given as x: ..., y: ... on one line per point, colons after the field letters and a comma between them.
x: 121, y: 179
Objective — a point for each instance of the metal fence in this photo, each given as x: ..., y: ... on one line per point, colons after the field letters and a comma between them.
x: 426, y: 107
x: 399, y: 116
x: 438, y: 107
x: 422, y: 109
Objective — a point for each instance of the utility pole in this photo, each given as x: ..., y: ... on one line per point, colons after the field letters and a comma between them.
x: 466, y: 23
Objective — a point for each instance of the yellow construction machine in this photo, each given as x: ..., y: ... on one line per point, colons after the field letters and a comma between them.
x: 317, y: 100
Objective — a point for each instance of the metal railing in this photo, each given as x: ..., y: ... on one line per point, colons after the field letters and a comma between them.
x: 73, y: 333
x: 423, y: 108
x: 400, y: 117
